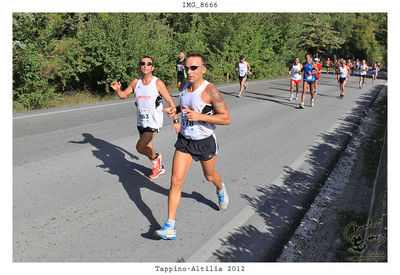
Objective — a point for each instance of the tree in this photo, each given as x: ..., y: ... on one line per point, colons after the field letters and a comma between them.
x: 318, y: 36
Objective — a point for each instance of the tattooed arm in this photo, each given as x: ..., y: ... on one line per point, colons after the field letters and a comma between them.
x: 212, y: 96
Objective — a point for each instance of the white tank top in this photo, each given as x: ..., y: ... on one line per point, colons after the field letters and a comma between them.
x: 295, y: 75
x: 363, y: 69
x: 195, y: 130
x: 343, y: 72
x: 242, y: 69
x: 149, y: 104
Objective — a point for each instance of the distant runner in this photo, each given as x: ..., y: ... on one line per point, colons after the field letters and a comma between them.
x: 180, y: 68
x: 344, y: 73
x: 318, y: 73
x: 350, y: 66
x: 338, y: 63
x: 363, y: 73
x: 328, y: 65
x: 357, y: 65
x: 243, y: 68
x: 309, y: 69
x: 375, y: 70
x: 295, y: 78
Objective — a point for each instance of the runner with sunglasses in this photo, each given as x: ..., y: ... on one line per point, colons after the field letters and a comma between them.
x: 149, y: 91
x: 201, y: 107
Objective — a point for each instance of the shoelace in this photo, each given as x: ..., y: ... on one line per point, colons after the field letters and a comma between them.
x: 165, y: 226
x: 156, y: 164
x: 221, y: 197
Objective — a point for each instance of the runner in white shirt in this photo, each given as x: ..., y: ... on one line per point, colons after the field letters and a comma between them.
x: 344, y: 74
x: 202, y: 108
x: 363, y: 72
x: 295, y: 77
x: 243, y: 68
x: 149, y: 91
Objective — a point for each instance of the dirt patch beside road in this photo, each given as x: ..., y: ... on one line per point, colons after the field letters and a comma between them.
x: 333, y: 229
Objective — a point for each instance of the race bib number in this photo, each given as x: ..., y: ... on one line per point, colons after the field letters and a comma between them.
x: 188, y: 127
x: 144, y: 114
x: 309, y: 77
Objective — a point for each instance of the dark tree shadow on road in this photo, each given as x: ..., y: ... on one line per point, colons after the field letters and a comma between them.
x: 132, y: 177
x: 283, y: 205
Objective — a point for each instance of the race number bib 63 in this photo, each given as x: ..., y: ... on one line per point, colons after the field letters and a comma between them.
x: 144, y: 114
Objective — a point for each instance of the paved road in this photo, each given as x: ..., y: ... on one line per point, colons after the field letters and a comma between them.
x: 80, y: 191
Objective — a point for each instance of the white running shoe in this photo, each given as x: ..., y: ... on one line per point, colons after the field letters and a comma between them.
x: 166, y: 232
x: 223, y: 199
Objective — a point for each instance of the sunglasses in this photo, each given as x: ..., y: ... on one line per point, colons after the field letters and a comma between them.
x: 145, y: 63
x: 193, y: 68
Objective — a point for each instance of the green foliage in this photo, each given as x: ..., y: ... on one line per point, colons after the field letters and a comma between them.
x: 318, y: 37
x: 114, y: 43
x: 56, y: 53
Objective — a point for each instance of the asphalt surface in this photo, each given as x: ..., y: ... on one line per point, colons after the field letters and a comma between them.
x: 81, y: 191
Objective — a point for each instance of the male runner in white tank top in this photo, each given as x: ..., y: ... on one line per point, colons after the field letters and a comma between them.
x: 243, y: 68
x: 202, y: 108
x: 148, y: 90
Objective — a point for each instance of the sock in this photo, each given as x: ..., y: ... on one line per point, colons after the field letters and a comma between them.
x: 171, y: 222
x: 220, y: 192
x: 155, y: 157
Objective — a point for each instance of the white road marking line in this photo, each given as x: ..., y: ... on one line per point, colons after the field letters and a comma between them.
x: 214, y: 243
x: 70, y: 110
x: 106, y: 105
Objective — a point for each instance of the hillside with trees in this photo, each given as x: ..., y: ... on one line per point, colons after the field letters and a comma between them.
x: 57, y: 53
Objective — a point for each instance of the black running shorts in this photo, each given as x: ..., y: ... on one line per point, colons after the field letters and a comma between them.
x: 201, y: 150
x: 241, y: 77
x: 147, y: 129
x: 342, y: 79
x: 181, y: 77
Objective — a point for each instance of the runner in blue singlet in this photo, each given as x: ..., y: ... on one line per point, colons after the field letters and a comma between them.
x: 309, y: 69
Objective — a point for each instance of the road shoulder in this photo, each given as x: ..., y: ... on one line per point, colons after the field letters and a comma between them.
x: 327, y: 231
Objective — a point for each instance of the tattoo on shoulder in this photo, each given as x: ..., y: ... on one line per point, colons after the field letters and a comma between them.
x: 216, y: 98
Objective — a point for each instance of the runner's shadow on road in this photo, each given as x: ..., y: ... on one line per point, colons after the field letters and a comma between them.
x: 132, y: 177
x: 275, y: 99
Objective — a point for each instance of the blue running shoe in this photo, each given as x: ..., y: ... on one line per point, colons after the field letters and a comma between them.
x: 223, y: 199
x: 167, y: 232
